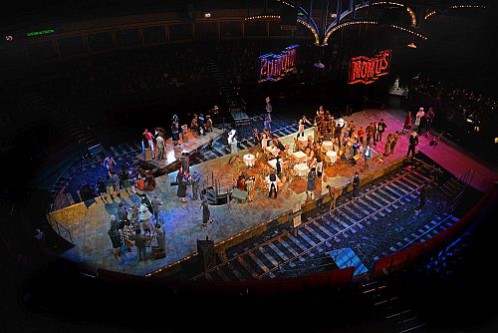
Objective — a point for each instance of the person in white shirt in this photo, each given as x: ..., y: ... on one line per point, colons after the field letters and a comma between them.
x: 232, y: 141
x: 301, y: 123
x: 418, y: 118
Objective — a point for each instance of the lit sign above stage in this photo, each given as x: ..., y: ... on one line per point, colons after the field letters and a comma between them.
x: 273, y: 67
x: 367, y: 70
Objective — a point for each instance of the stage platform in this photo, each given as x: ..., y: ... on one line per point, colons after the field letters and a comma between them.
x: 191, y: 145
x: 88, y: 222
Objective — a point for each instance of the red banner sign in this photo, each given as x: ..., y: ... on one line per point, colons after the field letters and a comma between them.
x: 367, y: 70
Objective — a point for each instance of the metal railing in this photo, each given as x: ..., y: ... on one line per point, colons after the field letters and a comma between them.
x: 58, y: 227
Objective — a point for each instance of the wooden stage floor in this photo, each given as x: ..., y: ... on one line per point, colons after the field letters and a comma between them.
x: 89, y: 222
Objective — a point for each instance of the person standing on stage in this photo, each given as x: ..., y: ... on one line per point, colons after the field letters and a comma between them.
x: 361, y: 134
x: 267, y: 122
x: 155, y: 203
x: 250, y: 185
x: 232, y: 142
x: 160, y: 147
x: 209, y: 124
x: 370, y: 132
x: 175, y: 130
x: 115, y: 237
x: 202, y: 124
x: 356, y: 184
x: 196, y: 180
x: 268, y: 107
x: 140, y: 244
x: 115, y: 183
x: 149, y: 138
x: 272, y: 181
x: 381, y: 127
x: 278, y: 166
x: 185, y: 162
x: 387, y: 146
x: 301, y: 123
x: 109, y: 163
x: 182, y: 187
x: 194, y: 124
x: 206, y: 214
x: 368, y: 154
x: 311, y: 184
x: 408, y: 122
x: 332, y: 195
x: 413, y: 143
x: 160, y: 237
x: 429, y: 118
x: 419, y: 119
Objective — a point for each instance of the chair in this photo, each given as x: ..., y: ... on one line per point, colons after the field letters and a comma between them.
x: 239, y: 195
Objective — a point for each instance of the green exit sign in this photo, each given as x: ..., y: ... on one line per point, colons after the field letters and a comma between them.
x: 41, y: 32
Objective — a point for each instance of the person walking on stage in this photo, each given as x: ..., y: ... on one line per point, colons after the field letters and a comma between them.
x: 413, y: 143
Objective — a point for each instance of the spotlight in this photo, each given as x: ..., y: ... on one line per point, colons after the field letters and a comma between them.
x: 333, y: 15
x: 412, y: 45
x: 319, y: 65
x: 207, y: 15
x: 9, y: 38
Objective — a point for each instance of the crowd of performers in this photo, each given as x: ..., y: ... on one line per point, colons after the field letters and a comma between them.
x: 156, y: 142
x: 352, y: 144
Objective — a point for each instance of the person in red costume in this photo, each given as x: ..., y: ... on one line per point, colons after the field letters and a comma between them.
x: 149, y: 137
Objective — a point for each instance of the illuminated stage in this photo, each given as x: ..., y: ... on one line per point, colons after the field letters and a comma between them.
x: 88, y: 222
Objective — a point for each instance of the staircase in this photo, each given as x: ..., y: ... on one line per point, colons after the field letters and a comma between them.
x: 236, y: 104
